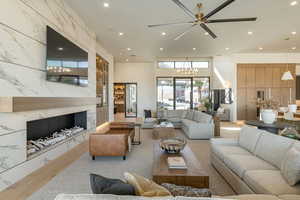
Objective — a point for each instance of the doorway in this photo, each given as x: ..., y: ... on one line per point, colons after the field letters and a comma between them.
x: 125, y: 100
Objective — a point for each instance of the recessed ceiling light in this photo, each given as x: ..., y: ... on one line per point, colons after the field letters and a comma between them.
x: 294, y: 33
x: 120, y: 34
x: 226, y: 48
x: 294, y: 48
x: 60, y: 48
x: 194, y: 49
x: 163, y: 33
x: 260, y: 48
x: 250, y: 33
x: 128, y: 49
x: 106, y: 5
x: 161, y: 49
x: 127, y: 60
x: 293, y: 3
x: 206, y: 33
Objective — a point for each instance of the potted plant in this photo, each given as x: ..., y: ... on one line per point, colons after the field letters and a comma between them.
x: 268, y: 110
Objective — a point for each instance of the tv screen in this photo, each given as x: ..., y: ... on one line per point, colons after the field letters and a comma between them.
x: 66, y: 62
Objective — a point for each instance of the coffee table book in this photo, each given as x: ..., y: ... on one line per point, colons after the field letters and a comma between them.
x: 176, y: 163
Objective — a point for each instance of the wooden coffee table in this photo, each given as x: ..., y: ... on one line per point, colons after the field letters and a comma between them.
x: 193, y: 176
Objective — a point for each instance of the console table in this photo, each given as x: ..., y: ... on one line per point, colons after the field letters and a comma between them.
x: 272, y: 128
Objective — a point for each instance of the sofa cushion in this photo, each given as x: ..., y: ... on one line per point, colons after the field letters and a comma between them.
x: 174, y: 113
x: 273, y: 148
x: 290, y: 167
x: 253, y: 197
x: 221, y: 151
x: 174, y: 120
x: 289, y: 197
x: 188, y: 123
x: 103, y: 185
x: 189, y: 114
x: 269, y: 182
x: 249, y: 137
x: 242, y: 163
x: 202, y: 117
x: 144, y: 186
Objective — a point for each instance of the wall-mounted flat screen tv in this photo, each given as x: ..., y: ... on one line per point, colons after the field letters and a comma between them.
x: 66, y: 62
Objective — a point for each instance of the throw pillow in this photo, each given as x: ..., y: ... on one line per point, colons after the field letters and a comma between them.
x: 147, y: 113
x: 103, y: 185
x: 145, y: 187
x: 290, y: 167
x: 221, y: 110
x: 186, y: 191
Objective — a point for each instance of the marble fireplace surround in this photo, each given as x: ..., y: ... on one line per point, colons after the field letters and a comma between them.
x: 14, y: 163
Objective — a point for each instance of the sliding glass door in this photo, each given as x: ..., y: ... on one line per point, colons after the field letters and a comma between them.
x: 131, y: 100
x: 181, y: 93
x: 201, y: 91
x: 165, y: 93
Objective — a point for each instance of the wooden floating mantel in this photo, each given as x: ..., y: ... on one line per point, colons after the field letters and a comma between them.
x: 21, y: 104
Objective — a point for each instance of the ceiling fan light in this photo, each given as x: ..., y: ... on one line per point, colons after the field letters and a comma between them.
x: 287, y: 76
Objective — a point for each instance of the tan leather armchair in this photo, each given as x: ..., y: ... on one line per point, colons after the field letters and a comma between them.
x: 111, y: 140
x: 108, y: 145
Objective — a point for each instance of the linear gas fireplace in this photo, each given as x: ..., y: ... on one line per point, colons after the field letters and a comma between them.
x: 44, y: 133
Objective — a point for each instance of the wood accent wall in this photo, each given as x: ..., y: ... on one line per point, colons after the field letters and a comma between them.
x: 252, y: 78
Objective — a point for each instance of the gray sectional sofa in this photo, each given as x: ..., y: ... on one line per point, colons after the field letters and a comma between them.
x: 258, y: 162
x: 195, y: 124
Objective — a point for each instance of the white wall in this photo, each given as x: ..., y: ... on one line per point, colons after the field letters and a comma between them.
x: 144, y: 75
x: 22, y: 73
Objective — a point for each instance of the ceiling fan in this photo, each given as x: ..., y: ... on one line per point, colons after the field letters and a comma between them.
x: 201, y: 19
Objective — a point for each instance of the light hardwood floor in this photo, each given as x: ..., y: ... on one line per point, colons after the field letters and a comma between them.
x: 33, y: 182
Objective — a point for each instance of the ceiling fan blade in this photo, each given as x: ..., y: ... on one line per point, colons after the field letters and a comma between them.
x: 184, y: 8
x: 225, y: 4
x: 232, y: 20
x: 169, y: 24
x: 208, y: 30
x: 185, y: 32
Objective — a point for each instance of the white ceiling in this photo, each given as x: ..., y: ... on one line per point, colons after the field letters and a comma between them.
x: 276, y: 20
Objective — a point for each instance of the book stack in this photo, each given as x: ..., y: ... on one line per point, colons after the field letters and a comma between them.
x: 176, y: 163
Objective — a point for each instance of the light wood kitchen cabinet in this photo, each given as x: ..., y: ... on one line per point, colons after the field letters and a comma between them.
x: 250, y: 77
x: 255, y: 79
x: 260, y: 77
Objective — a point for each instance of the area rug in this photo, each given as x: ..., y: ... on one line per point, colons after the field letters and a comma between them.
x: 75, y: 178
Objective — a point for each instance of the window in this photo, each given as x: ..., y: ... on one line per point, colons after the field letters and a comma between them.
x: 165, y: 93
x: 182, y: 92
x: 183, y: 65
x: 166, y: 65
x: 200, y: 65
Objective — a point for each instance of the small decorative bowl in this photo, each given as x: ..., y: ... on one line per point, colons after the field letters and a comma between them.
x: 172, y: 145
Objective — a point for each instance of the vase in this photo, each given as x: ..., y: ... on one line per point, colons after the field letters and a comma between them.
x: 268, y: 116
x: 292, y: 108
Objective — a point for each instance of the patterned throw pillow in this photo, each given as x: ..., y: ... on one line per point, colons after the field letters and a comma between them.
x: 186, y: 191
